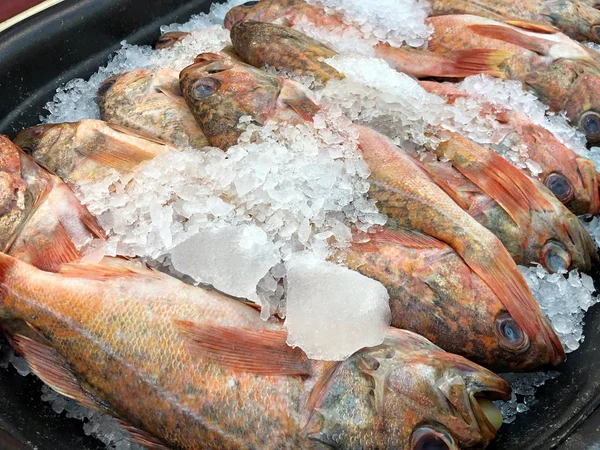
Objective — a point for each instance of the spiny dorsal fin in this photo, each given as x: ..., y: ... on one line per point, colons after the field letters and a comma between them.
x: 532, y: 26
x: 405, y: 238
x: 262, y: 352
x: 51, y: 368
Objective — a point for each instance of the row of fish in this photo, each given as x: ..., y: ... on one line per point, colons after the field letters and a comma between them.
x: 108, y: 331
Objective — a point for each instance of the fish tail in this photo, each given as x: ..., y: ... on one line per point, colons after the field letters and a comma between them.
x: 480, y: 61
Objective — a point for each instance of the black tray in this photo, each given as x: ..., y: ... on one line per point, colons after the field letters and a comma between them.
x: 72, y: 40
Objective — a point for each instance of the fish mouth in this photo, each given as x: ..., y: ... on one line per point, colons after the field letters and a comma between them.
x: 208, y: 63
x: 233, y: 16
x: 484, y: 389
x: 584, y: 249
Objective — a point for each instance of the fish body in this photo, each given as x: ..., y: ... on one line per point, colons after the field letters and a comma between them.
x: 534, y: 228
x: 570, y: 177
x: 576, y: 19
x: 41, y: 220
x: 150, y: 102
x: 404, y: 191
x: 188, y: 368
x: 88, y: 150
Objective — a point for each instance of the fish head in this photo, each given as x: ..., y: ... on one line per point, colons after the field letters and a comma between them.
x: 571, y: 85
x: 262, y: 43
x: 123, y: 87
x: 169, y: 39
x: 407, y: 393
x: 263, y: 11
x: 576, y: 19
x: 559, y: 242
x: 220, y: 91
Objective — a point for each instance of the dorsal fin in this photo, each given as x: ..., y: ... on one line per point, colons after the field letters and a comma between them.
x: 262, y: 352
x: 142, y: 437
x: 136, y: 133
x: 532, y: 26
x: 103, y: 272
x: 405, y: 238
x: 293, y: 95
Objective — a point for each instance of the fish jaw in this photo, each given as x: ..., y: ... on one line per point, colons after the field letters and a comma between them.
x: 220, y: 91
x: 397, y: 387
x: 261, y: 43
x: 169, y: 39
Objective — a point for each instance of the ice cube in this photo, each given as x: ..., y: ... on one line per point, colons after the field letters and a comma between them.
x: 332, y: 311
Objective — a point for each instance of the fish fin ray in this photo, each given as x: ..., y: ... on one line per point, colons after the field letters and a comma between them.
x: 497, y: 177
x: 477, y: 61
x: 293, y: 95
x: 103, y: 272
x: 51, y: 368
x: 50, y: 255
x: 136, y: 133
x: 406, y: 238
x: 511, y: 36
x: 263, y: 352
x: 532, y: 26
x: 142, y: 437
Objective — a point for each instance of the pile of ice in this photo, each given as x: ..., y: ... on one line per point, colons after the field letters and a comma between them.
x: 564, y: 298
x: 392, y: 21
x: 593, y: 227
x: 524, y: 386
x: 230, y: 219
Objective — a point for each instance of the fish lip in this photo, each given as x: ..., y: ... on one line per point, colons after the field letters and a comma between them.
x: 493, y: 389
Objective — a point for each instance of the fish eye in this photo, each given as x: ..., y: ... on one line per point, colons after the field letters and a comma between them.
x: 105, y: 87
x: 252, y: 3
x: 205, y: 87
x: 511, y: 335
x: 555, y: 257
x: 428, y: 438
x: 560, y: 187
x: 590, y: 124
x: 596, y: 30
x: 27, y: 150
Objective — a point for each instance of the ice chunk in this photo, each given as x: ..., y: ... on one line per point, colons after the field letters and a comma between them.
x: 233, y: 259
x: 332, y: 311
x: 563, y: 299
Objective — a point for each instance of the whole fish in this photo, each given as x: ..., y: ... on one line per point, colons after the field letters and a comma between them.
x: 41, y: 220
x: 464, y: 45
x: 88, y: 150
x: 187, y: 368
x: 575, y: 18
x: 219, y: 91
x: 435, y: 294
x: 571, y: 178
x: 531, y: 224
x: 150, y: 102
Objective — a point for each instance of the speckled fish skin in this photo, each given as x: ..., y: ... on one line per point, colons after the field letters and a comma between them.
x: 405, y: 192
x: 150, y: 102
x: 41, y: 220
x: 284, y: 12
x: 435, y: 294
x: 260, y: 43
x: 581, y: 194
x: 118, y: 332
x: 87, y: 150
x: 574, y: 18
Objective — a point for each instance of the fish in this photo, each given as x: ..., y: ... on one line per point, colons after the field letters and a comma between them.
x: 562, y: 73
x: 572, y: 179
x: 463, y: 45
x: 169, y: 39
x: 576, y: 19
x: 434, y: 293
x: 532, y: 225
x: 88, y: 150
x: 221, y: 90
x: 183, y: 367
x: 41, y: 220
x: 151, y: 103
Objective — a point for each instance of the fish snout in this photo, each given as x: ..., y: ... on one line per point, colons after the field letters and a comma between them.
x: 237, y: 14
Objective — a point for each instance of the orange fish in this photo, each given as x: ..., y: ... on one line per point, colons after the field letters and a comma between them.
x: 187, y: 368
x: 88, y: 150
x: 219, y: 91
x: 150, y: 102
x: 169, y: 39
x: 575, y: 18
